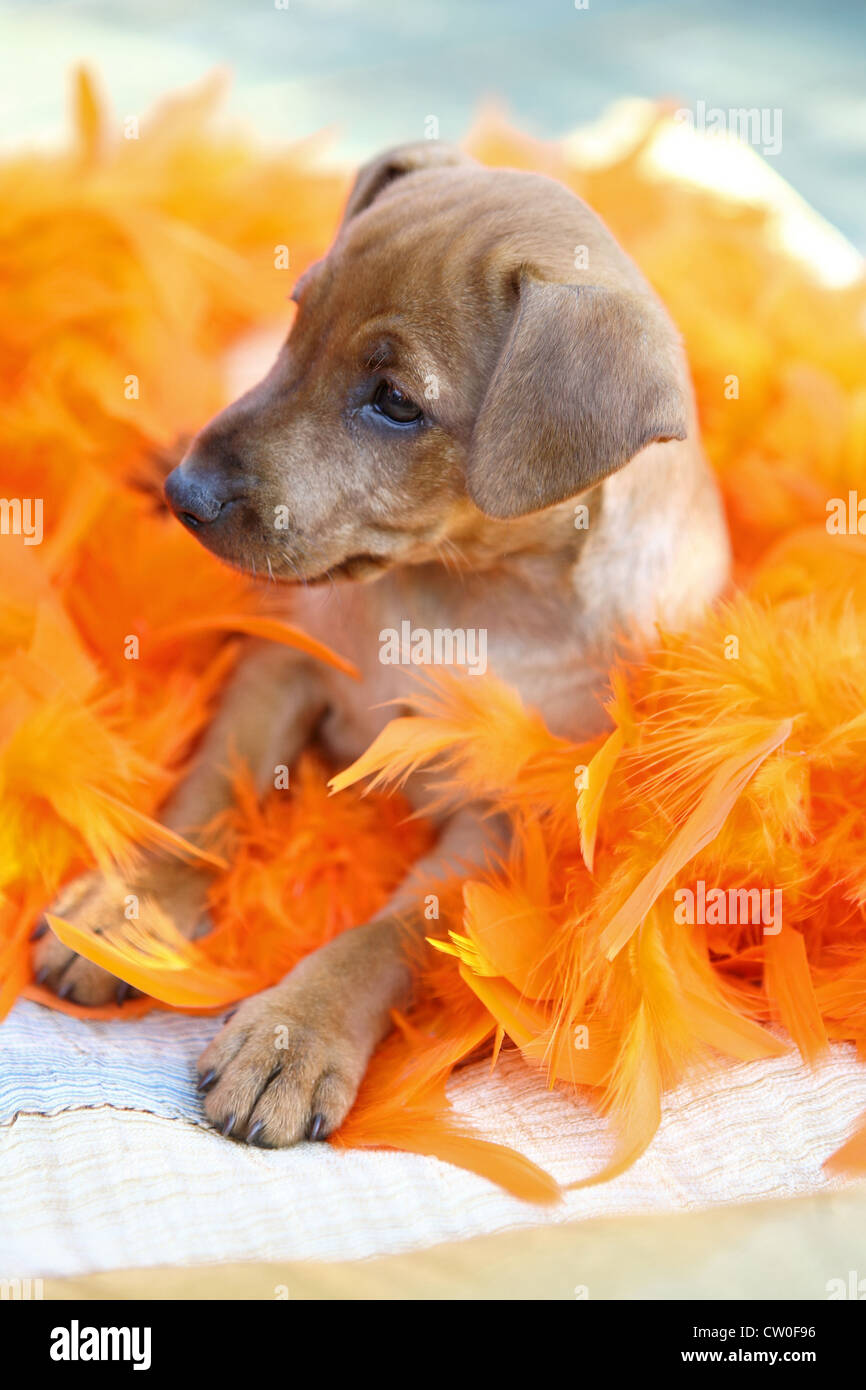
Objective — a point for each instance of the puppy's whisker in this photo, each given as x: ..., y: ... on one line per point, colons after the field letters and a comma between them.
x: 331, y: 585
x: 450, y: 555
x: 458, y: 551
x: 287, y: 557
x: 443, y: 557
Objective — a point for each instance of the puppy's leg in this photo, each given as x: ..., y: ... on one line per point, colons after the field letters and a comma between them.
x: 266, y: 716
x: 288, y: 1065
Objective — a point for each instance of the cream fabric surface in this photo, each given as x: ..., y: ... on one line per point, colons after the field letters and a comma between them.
x: 105, y: 1163
x: 804, y: 1247
x: 101, y: 1187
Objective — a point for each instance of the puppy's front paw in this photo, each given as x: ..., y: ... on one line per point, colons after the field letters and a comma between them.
x: 69, y: 975
x: 98, y: 903
x: 288, y: 1064
x: 274, y: 1077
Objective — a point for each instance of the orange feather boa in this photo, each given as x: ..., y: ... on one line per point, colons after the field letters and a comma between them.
x: 738, y: 752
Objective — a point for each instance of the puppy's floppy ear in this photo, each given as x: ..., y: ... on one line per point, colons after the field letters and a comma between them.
x: 587, y: 378
x: 393, y: 164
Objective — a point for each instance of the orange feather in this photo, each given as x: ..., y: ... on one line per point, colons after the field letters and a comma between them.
x: 737, y: 753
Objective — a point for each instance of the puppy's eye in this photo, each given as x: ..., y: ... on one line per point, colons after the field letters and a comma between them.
x: 389, y: 400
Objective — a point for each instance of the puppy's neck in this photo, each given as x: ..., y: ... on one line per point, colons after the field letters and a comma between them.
x: 550, y: 539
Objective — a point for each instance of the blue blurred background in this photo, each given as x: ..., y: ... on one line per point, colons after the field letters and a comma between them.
x: 374, y: 70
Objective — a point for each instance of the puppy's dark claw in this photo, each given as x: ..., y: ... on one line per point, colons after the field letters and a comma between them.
x: 207, y: 1080
x: 252, y: 1137
x: 39, y: 930
x: 121, y: 994
x: 42, y: 975
x: 228, y: 1126
x: 317, y: 1126
x: 66, y: 989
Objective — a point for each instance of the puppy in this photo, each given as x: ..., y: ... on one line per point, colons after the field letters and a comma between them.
x: 454, y: 402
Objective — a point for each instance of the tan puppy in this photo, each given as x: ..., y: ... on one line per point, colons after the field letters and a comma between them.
x: 450, y: 386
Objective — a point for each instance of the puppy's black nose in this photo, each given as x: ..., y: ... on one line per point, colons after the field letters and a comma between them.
x: 197, y: 497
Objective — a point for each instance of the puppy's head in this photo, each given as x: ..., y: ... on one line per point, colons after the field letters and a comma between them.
x: 448, y: 364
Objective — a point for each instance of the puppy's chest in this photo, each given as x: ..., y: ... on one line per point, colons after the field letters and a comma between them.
x: 393, y: 629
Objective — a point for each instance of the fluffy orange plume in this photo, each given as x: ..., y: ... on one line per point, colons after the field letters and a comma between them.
x: 483, y: 728
x: 736, y: 757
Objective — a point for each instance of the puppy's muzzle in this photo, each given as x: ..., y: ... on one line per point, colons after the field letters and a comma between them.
x: 200, y: 495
